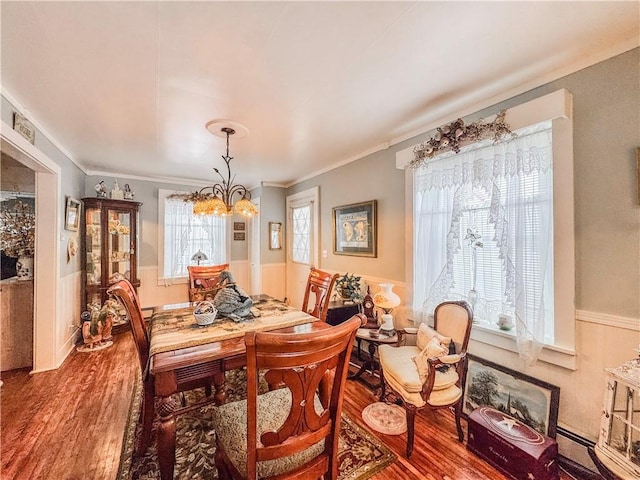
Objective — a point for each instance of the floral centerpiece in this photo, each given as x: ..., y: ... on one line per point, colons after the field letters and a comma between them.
x: 17, y: 230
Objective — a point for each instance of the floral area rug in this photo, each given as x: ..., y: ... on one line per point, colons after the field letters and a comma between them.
x: 360, y: 455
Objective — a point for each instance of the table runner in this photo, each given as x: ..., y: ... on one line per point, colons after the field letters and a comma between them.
x: 177, y: 328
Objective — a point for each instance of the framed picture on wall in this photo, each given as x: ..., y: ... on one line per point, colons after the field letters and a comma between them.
x: 275, y: 236
x: 72, y: 214
x: 354, y: 229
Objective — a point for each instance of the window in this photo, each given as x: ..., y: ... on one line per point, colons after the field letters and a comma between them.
x: 301, y: 251
x: 186, y: 235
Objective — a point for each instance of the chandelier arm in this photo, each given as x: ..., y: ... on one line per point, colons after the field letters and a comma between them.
x: 241, y: 189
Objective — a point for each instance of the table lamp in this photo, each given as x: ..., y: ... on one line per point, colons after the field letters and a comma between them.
x: 386, y: 300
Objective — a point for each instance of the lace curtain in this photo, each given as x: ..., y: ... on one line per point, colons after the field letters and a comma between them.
x: 507, y: 188
x: 185, y: 234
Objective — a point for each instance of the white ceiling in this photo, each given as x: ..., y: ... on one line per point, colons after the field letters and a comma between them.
x: 127, y: 87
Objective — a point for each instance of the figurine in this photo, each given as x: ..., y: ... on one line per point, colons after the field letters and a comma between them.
x: 101, y: 189
x: 231, y: 301
x: 128, y: 193
x: 116, y: 193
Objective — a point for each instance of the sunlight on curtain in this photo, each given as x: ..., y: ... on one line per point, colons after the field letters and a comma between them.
x: 502, y: 194
x: 186, y: 233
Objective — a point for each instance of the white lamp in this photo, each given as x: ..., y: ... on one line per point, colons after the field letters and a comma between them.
x: 387, y: 300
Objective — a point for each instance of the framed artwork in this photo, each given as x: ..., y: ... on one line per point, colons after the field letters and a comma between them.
x: 72, y: 214
x: 238, y: 226
x: 275, y: 236
x: 354, y: 229
x: 238, y: 236
x: 527, y: 399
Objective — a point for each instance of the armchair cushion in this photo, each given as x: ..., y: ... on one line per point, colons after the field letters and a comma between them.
x: 230, y: 423
x: 401, y: 372
x: 426, y: 333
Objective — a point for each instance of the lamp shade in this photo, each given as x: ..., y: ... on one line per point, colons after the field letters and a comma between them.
x: 386, y: 299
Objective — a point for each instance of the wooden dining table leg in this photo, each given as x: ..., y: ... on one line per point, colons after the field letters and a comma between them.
x: 166, y: 441
x: 219, y: 381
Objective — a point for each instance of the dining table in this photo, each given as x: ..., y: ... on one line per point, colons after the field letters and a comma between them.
x: 182, y: 351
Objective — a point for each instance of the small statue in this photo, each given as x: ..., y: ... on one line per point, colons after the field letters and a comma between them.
x: 128, y: 193
x: 101, y: 189
x: 231, y: 300
x: 116, y: 193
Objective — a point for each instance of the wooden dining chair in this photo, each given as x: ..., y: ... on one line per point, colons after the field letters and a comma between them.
x: 290, y: 432
x: 204, y: 281
x: 124, y: 292
x: 320, y: 285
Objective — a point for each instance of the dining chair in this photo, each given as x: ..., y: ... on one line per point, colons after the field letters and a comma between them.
x: 124, y: 292
x: 430, y: 374
x: 290, y: 432
x: 204, y: 281
x: 320, y: 285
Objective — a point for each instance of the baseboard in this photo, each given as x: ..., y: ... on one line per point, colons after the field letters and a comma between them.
x: 575, y: 470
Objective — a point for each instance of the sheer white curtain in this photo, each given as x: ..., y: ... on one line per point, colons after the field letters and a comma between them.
x: 185, y: 234
x: 504, y: 192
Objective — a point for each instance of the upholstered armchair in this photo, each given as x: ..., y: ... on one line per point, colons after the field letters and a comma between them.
x: 430, y: 374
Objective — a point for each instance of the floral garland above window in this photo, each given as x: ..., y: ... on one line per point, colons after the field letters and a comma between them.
x: 456, y: 134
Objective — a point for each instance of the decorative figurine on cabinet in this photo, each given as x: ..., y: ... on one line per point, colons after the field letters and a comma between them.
x: 117, y: 193
x: 101, y: 189
x: 128, y: 193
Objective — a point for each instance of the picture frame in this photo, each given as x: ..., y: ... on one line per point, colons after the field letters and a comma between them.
x: 355, y: 229
x: 239, y: 226
x: 239, y: 236
x: 275, y: 236
x: 529, y: 400
x: 72, y: 214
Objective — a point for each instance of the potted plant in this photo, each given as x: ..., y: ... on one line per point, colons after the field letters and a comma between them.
x: 348, y: 287
x: 17, y: 236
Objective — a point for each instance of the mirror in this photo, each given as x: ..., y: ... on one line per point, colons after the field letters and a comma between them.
x: 275, y: 235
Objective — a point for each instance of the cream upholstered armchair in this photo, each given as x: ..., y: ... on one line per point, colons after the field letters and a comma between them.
x: 430, y: 374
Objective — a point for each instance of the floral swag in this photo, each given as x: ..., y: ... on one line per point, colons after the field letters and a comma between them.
x: 456, y: 134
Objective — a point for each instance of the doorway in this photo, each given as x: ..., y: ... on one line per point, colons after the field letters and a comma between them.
x: 255, y: 266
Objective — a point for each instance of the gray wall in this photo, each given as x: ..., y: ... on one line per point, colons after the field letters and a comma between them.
x: 272, y: 209
x: 606, y: 100
x: 71, y: 184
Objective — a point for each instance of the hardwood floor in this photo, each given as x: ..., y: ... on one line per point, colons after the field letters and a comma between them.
x: 69, y: 424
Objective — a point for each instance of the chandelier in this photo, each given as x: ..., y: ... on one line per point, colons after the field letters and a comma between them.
x: 217, y: 199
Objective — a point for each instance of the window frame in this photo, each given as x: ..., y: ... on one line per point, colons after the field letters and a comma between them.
x: 165, y: 281
x: 557, y: 107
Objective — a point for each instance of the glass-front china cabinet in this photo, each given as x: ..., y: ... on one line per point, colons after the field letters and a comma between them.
x: 110, y: 246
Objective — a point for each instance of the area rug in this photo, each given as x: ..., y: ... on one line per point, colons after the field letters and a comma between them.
x: 385, y: 418
x: 360, y: 455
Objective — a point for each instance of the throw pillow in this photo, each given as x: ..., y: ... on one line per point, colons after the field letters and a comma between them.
x: 426, y: 333
x: 433, y: 349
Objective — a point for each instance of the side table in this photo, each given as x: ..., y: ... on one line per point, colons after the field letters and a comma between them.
x: 371, y: 363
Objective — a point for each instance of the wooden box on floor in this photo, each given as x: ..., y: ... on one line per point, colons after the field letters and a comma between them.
x: 514, y: 448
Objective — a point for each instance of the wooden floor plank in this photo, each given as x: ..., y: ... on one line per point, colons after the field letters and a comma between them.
x: 69, y: 423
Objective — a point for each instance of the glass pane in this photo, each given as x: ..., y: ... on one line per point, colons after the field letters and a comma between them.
x: 618, y: 435
x: 301, y: 235
x: 93, y: 234
x: 119, y: 243
x: 635, y: 445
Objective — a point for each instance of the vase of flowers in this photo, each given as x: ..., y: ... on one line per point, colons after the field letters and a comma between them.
x: 348, y: 287
x: 17, y: 236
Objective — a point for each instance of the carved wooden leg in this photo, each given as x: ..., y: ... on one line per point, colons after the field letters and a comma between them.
x: 207, y: 390
x: 411, y: 420
x: 146, y: 417
x: 457, y: 409
x: 383, y: 386
x: 221, y: 390
x: 166, y: 438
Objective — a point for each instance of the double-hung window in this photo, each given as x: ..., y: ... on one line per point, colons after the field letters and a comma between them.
x: 188, y: 239
x: 484, y: 231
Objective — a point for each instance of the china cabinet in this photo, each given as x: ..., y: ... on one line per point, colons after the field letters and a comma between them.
x: 110, y: 245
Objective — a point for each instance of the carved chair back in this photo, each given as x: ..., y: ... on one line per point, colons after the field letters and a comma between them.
x: 320, y: 285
